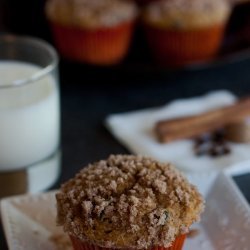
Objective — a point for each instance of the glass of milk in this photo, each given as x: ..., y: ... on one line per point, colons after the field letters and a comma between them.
x: 29, y: 115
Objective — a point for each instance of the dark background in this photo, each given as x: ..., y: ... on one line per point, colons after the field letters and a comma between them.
x: 89, y: 94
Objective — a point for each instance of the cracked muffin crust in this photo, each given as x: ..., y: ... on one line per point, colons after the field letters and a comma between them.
x: 128, y: 201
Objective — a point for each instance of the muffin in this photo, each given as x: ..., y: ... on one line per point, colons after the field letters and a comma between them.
x: 95, y: 32
x: 128, y: 202
x: 180, y: 31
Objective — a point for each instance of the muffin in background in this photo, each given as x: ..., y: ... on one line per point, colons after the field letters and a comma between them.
x: 128, y: 202
x: 181, y: 32
x: 92, y: 31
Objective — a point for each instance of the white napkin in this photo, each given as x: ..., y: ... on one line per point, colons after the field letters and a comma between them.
x: 135, y: 131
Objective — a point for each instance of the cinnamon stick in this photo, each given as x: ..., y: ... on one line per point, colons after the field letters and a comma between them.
x: 193, y: 126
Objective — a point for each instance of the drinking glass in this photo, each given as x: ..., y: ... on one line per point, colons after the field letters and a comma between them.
x: 29, y: 115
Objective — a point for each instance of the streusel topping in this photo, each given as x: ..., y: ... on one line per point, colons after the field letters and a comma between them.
x: 90, y: 13
x: 128, y: 202
x: 183, y: 14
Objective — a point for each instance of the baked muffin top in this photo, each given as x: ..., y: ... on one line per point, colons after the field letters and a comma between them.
x: 185, y: 15
x: 90, y: 13
x: 128, y: 201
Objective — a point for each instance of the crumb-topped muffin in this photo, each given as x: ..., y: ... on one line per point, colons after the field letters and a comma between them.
x: 128, y: 202
x: 182, y: 31
x: 92, y: 31
x: 90, y: 14
x: 186, y: 15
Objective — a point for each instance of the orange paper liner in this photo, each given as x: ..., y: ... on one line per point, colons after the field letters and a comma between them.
x: 182, y: 47
x: 102, y: 46
x: 80, y: 245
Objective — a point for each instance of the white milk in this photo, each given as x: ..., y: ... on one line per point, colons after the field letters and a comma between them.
x: 29, y: 117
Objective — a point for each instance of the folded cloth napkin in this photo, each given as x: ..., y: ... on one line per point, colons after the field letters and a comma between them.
x: 135, y: 131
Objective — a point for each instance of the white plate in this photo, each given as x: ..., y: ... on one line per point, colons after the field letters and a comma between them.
x: 135, y: 130
x: 29, y: 221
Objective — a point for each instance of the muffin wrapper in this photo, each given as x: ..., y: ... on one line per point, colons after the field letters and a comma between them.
x: 183, y: 47
x: 102, y: 46
x: 80, y: 245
